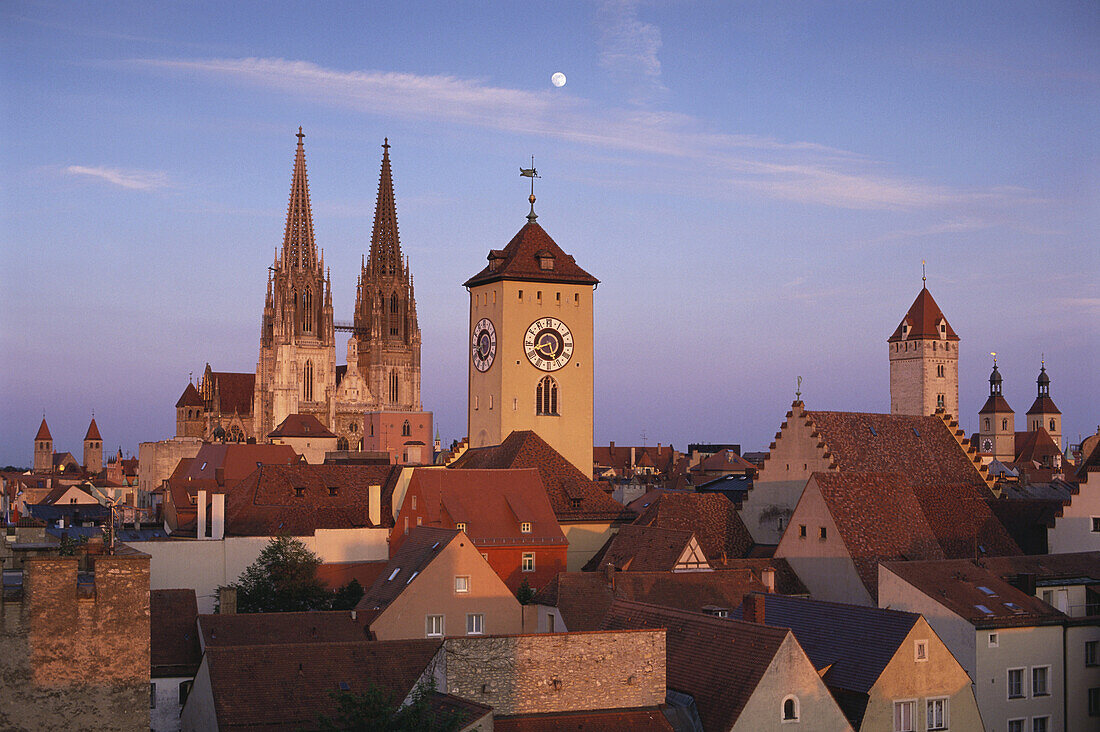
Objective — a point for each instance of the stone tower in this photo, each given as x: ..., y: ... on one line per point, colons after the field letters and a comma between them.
x: 997, y: 422
x: 43, y: 449
x: 386, y: 335
x: 189, y: 413
x: 1043, y: 413
x: 531, y: 359
x: 924, y: 361
x: 93, y: 449
x: 296, y: 371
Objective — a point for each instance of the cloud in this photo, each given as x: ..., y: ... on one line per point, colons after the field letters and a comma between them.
x: 801, y: 171
x: 628, y: 49
x: 138, y: 180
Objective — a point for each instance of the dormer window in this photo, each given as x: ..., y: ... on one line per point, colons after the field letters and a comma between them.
x: 525, y: 527
x: 461, y: 526
x: 333, y: 491
x: 904, y: 330
x: 299, y: 491
x: 546, y: 259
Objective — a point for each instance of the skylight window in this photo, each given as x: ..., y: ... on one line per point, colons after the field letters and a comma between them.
x: 344, y: 686
x: 915, y: 432
x: 202, y: 467
x: 988, y: 591
x: 873, y: 433
x: 984, y: 609
x: 394, y: 574
x: 1013, y: 607
x: 412, y: 577
x: 435, y: 545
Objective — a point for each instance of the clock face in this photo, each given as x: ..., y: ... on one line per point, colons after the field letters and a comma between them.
x: 484, y: 345
x: 548, y: 344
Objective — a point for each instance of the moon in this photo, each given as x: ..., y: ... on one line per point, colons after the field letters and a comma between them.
x: 558, y: 79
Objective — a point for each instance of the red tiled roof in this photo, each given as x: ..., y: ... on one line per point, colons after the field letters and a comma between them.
x: 924, y: 319
x: 573, y: 495
x: 995, y: 403
x: 286, y: 687
x: 961, y: 519
x: 724, y: 460
x: 492, y: 504
x: 642, y: 549
x: 420, y: 547
x: 267, y: 503
x: 1034, y: 446
x: 173, y: 634
x: 958, y: 584
x: 235, y: 391
x: 1074, y: 565
x: 43, y: 431
x: 301, y: 425
x: 719, y: 662
x: 603, y: 720
x: 273, y: 629
x: 710, y: 516
x: 335, y: 575
x: 520, y: 261
x: 1043, y: 405
x: 93, y: 431
x: 190, y: 397
x: 618, y: 457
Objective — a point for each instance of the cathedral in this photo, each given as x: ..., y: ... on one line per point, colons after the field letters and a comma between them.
x: 370, y: 403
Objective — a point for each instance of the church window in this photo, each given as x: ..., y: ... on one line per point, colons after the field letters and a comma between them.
x: 557, y: 296
x: 1004, y: 424
x: 372, y: 429
x: 940, y: 371
x: 393, y: 387
x: 405, y: 429
x: 546, y: 397
x: 342, y: 443
x: 307, y: 382
x: 395, y: 326
x: 307, y: 311
x: 933, y: 345
x: 940, y: 400
x: 987, y: 423
x: 1052, y: 427
x: 538, y: 295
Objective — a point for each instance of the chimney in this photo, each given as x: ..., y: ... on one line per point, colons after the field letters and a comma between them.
x: 217, y: 516
x: 200, y: 512
x: 609, y: 573
x: 227, y: 600
x: 374, y: 504
x: 632, y: 457
x: 752, y: 609
x: 767, y: 577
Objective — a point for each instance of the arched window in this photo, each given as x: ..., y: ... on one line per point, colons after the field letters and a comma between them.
x: 987, y: 423
x: 342, y: 443
x: 307, y: 311
x: 393, y: 387
x: 1004, y: 424
x: 307, y: 382
x: 940, y: 371
x: 790, y: 709
x: 940, y: 401
x: 546, y: 396
x: 395, y: 328
x: 405, y: 429
x: 1052, y: 427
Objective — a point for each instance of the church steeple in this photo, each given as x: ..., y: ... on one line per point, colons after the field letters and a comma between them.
x: 385, y: 245
x: 299, y: 250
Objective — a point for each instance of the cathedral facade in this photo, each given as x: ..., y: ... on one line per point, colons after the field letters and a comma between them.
x: 373, y: 401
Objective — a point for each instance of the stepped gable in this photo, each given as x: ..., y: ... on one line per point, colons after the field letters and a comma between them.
x: 713, y: 518
x: 642, y: 549
x: 523, y: 258
x: 719, y: 662
x: 301, y: 425
x: 190, y: 397
x: 296, y: 501
x: 924, y: 319
x: 879, y: 519
x: 43, y: 431
x: 573, y: 495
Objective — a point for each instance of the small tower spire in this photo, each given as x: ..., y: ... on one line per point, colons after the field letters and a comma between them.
x: 385, y: 243
x: 532, y: 174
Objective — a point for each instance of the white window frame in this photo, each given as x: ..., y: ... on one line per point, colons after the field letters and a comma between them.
x: 994, y: 640
x: 1041, y: 717
x: 1023, y: 683
x: 428, y: 623
x: 1046, y: 680
x: 462, y: 584
x: 461, y: 526
x: 912, y: 715
x: 797, y: 710
x: 920, y: 651
x: 1022, y: 722
x: 524, y: 564
x: 1094, y: 526
x: 475, y: 624
x: 525, y: 527
x: 946, y: 722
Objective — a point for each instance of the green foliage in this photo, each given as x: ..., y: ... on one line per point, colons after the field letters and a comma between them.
x: 525, y: 594
x: 70, y: 545
x: 282, y: 579
x: 348, y: 596
x: 377, y: 710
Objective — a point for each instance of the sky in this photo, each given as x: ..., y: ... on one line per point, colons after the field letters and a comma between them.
x: 756, y: 185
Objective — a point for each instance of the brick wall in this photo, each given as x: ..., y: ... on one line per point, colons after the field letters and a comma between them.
x: 534, y: 674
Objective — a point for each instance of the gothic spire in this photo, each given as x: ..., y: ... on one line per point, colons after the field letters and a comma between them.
x: 385, y: 246
x: 299, y: 250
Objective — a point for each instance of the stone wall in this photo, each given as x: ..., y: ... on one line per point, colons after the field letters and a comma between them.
x: 535, y: 674
x: 77, y: 657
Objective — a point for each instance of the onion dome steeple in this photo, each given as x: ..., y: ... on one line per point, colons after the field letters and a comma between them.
x: 996, y: 403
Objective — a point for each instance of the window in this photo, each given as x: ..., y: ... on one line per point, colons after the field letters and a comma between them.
x: 406, y: 430
x: 1004, y: 424
x: 395, y: 328
x: 490, y: 401
x: 802, y: 531
x: 822, y: 533
x: 307, y: 382
x: 920, y: 650
x: 299, y: 491
x: 994, y: 640
x: 937, y: 714
x: 528, y: 562
x: 1040, y: 724
x: 393, y: 574
x: 406, y: 524
x: 550, y: 619
x: 184, y: 692
x: 333, y: 490
x: 394, y: 391
x: 939, y: 371
x: 1040, y: 681
x: 307, y: 311
x: 1091, y: 653
x: 546, y: 396
x: 525, y: 528
x: 414, y: 503
x: 1096, y: 524
x: 152, y: 696
x: 904, y: 711
x: 475, y: 624
x: 433, y: 626
x: 987, y: 424
x: 790, y: 709
x: 1094, y: 701
x: 1015, y: 683
x: 462, y: 584
x: 940, y: 401
x: 1052, y: 426
x: 521, y: 294
x: 461, y: 526
x: 779, y: 523
x: 1016, y: 725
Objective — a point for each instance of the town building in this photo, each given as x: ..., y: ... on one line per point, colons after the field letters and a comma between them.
x: 174, y: 655
x: 309, y: 438
x: 1077, y: 526
x: 711, y: 517
x: 637, y: 548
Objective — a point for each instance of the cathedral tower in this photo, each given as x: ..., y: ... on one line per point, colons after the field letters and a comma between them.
x: 296, y: 371
x: 924, y: 361
x: 997, y: 422
x: 93, y: 449
x: 386, y: 333
x: 43, y: 449
x: 531, y: 361
x: 1043, y: 413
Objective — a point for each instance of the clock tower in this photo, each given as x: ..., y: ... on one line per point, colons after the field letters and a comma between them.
x: 531, y: 350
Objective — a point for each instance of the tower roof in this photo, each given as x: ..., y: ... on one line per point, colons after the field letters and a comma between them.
x: 190, y: 397
x: 299, y: 249
x: 43, y: 431
x: 385, y: 244
x: 1043, y: 404
x: 532, y: 256
x: 93, y: 431
x: 924, y: 319
x: 995, y: 404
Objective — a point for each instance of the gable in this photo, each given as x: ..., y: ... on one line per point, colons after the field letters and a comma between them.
x: 692, y: 558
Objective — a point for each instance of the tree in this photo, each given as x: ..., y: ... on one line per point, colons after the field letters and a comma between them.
x: 525, y: 594
x: 377, y: 710
x: 282, y: 579
x: 348, y: 596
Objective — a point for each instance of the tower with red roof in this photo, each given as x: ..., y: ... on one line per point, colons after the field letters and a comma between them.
x: 924, y: 361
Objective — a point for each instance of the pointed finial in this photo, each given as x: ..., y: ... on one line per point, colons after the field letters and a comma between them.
x: 190, y: 377
x: 300, y: 134
x: 994, y: 355
x: 532, y: 174
x: 924, y: 272
x: 798, y: 390
x: 1043, y: 361
x: 386, y: 145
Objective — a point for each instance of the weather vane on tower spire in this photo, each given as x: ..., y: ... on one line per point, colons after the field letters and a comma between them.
x: 532, y: 174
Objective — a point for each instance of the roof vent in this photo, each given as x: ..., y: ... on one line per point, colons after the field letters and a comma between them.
x: 873, y: 433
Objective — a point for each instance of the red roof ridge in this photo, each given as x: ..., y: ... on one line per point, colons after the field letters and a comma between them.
x: 43, y: 431
x: 519, y: 260
x: 923, y: 319
x: 93, y: 431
